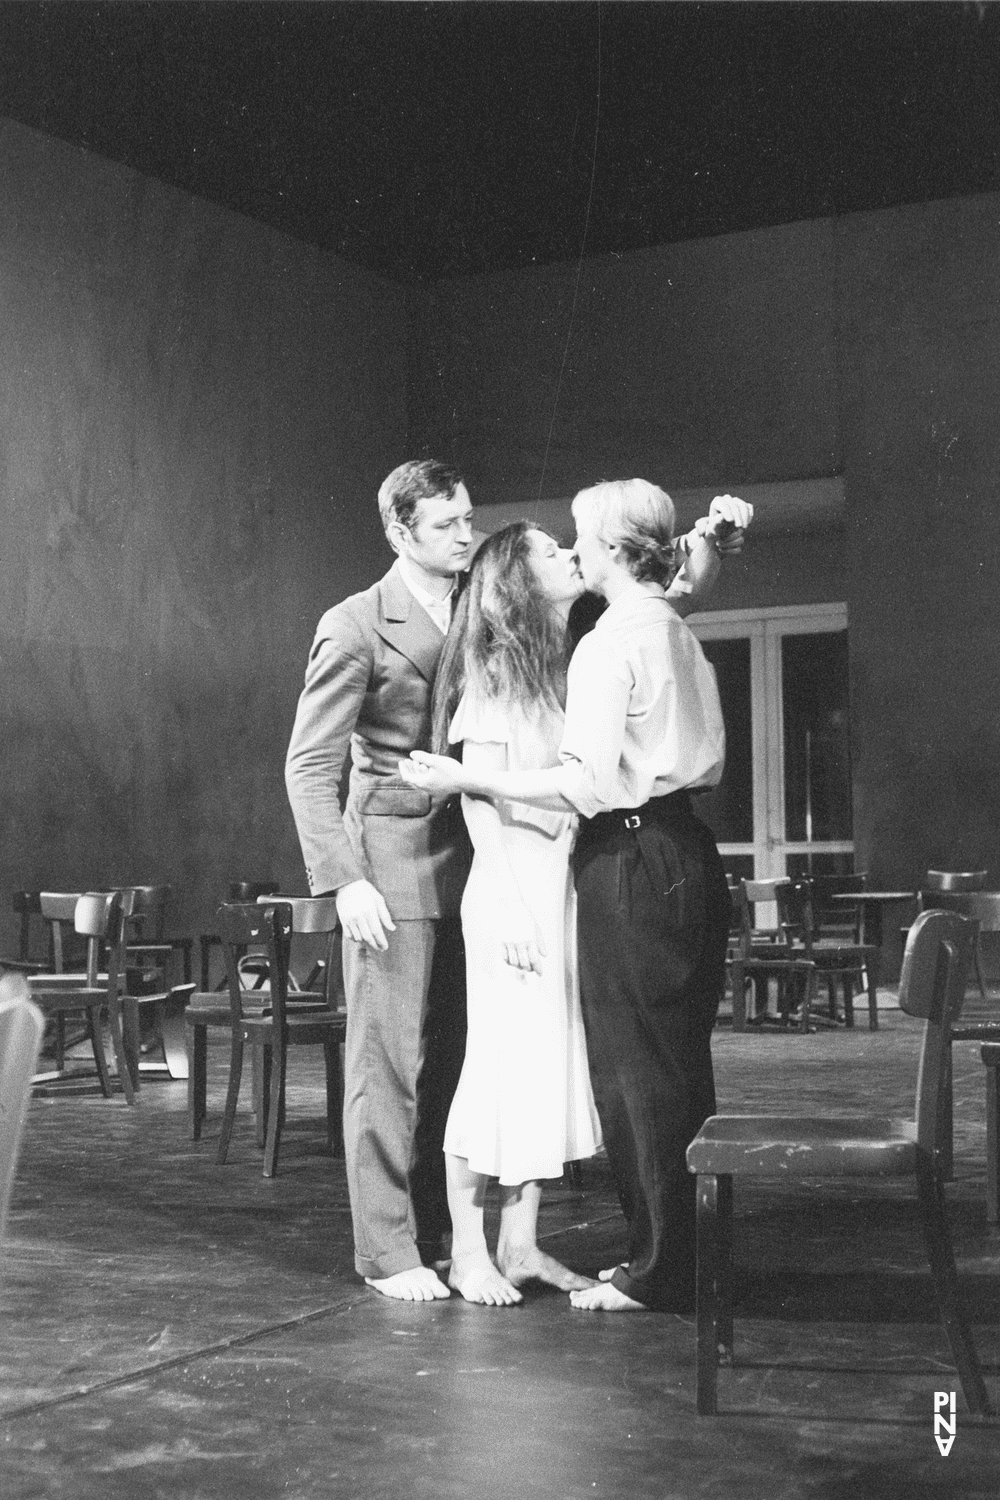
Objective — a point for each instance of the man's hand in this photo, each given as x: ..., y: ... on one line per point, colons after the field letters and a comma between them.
x: 437, y: 774
x: 520, y: 940
x: 364, y: 915
x: 728, y: 519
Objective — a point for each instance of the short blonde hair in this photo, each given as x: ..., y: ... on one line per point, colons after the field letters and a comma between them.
x: 640, y: 518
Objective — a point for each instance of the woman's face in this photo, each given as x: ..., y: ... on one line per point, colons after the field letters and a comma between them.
x: 555, y: 568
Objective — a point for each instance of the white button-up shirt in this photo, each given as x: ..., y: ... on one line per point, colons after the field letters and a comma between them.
x: 643, y: 716
x: 438, y: 609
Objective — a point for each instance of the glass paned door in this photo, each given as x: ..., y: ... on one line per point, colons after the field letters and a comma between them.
x: 784, y: 804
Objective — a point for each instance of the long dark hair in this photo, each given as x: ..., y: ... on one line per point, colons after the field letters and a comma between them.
x: 506, y: 640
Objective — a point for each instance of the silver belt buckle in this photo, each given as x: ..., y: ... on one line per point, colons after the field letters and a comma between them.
x: 634, y: 821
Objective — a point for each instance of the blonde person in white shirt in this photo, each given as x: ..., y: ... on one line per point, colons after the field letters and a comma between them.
x: 643, y: 731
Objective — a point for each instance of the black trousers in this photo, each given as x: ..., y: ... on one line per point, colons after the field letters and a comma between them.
x: 653, y: 920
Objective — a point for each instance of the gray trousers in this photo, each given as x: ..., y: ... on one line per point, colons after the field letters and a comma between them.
x: 405, y: 1047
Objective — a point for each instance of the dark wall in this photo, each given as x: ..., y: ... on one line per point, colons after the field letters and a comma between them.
x: 197, y: 415
x: 866, y: 347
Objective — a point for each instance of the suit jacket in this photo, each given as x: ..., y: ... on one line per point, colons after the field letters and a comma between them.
x: 368, y: 689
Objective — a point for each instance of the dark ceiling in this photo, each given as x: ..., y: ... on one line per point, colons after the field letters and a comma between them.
x: 429, y: 140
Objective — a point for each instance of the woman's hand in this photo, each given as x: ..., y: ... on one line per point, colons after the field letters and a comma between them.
x: 520, y: 940
x: 437, y: 774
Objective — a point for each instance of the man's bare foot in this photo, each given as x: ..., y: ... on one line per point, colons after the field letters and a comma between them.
x: 417, y: 1285
x: 478, y: 1280
x: 533, y: 1264
x: 605, y: 1298
x: 607, y: 1275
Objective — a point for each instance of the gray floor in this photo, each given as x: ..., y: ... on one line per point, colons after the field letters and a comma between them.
x: 172, y: 1328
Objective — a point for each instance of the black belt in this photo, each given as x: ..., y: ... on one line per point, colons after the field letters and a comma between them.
x: 669, y: 809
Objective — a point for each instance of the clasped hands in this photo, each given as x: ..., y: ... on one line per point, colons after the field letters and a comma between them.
x: 727, y: 520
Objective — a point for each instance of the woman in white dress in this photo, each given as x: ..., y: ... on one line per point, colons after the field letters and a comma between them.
x: 524, y: 1104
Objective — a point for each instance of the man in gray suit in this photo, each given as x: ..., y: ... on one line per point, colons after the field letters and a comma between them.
x: 398, y: 863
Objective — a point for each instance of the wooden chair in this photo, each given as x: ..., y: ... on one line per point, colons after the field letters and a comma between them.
x: 757, y: 956
x: 836, y: 960
x: 21, y: 1028
x: 278, y: 1019
x: 935, y: 968
x: 99, y: 916
x: 239, y: 890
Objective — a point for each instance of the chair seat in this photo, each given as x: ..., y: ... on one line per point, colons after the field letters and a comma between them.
x: 75, y: 997
x: 976, y: 1031
x: 775, y: 1145
x: 304, y: 1027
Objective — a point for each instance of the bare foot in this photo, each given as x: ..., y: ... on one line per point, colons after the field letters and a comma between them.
x: 417, y: 1285
x: 478, y: 1280
x: 607, y: 1275
x: 533, y: 1264
x: 605, y: 1298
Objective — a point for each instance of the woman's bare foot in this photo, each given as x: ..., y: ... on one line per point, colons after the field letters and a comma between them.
x: 533, y: 1264
x: 417, y: 1285
x: 478, y: 1280
x: 605, y: 1298
x: 607, y: 1275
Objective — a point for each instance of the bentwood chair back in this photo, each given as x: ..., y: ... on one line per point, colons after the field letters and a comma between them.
x: 935, y: 969
x: 21, y: 1027
x: 279, y: 1018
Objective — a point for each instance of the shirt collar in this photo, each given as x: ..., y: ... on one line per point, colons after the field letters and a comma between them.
x: 423, y: 598
x: 632, y: 599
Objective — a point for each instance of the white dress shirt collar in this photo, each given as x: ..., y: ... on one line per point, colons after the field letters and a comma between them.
x: 438, y: 609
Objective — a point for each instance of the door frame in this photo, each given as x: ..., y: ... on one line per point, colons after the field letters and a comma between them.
x: 765, y: 629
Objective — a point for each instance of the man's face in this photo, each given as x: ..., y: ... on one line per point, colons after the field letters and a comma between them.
x: 591, y: 551
x: 439, y: 539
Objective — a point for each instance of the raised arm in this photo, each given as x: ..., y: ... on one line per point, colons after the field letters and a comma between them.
x: 717, y: 535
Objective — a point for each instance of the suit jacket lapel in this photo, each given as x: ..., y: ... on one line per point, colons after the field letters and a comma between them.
x: 407, y: 627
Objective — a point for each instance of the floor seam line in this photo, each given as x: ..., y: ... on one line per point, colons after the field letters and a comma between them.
x: 144, y: 1372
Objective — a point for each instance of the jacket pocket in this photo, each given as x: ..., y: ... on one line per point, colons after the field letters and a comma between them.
x: 394, y: 802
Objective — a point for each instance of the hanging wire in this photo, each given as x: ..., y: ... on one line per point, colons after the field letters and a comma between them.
x: 579, y: 267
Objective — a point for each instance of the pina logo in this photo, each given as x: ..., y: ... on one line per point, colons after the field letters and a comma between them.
x: 945, y: 1421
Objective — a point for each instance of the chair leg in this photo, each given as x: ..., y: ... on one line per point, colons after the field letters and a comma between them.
x: 808, y: 998
x: 197, y: 1090
x: 739, y: 997
x: 334, y: 1097
x: 934, y: 1220
x: 992, y: 1145
x: 232, y: 1094
x: 131, y: 1037
x: 118, y: 1043
x: 276, y: 1105
x: 979, y: 970
x: 871, y: 979
x: 712, y: 1284
x: 848, y: 989
x: 947, y: 1154
x: 94, y: 1024
x: 60, y: 1042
